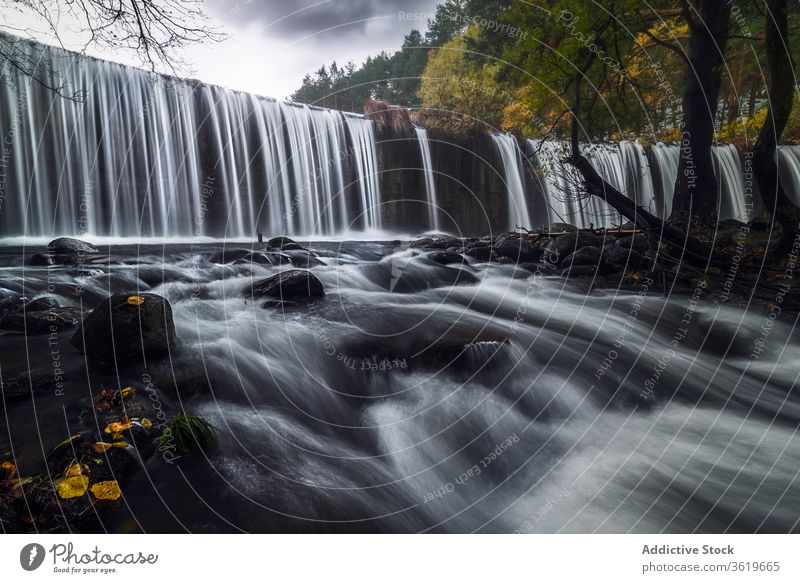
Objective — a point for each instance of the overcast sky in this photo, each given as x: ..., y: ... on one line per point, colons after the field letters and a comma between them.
x: 272, y: 44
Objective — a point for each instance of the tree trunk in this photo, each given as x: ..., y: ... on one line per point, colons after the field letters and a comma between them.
x: 780, y: 94
x: 696, y: 187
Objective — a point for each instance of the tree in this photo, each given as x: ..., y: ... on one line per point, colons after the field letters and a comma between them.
x: 155, y: 30
x: 780, y: 93
x: 696, y: 186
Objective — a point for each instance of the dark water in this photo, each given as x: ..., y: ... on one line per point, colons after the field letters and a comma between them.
x: 401, y: 403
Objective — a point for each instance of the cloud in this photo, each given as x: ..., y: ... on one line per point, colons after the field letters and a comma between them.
x: 321, y: 18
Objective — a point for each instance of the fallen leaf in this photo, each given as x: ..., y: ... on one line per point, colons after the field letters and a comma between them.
x: 102, y: 447
x: 66, y: 441
x: 135, y: 300
x: 146, y: 423
x: 117, y: 427
x: 9, y: 468
x: 107, y: 490
x: 73, y: 487
x: 74, y: 469
x: 127, y: 392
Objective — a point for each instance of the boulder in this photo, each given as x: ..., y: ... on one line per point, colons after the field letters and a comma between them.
x: 128, y: 327
x: 565, y: 245
x: 637, y: 242
x: 42, y: 260
x: 34, y: 322
x: 283, y: 244
x: 589, y: 255
x: 70, y: 246
x: 562, y: 228
x: 292, y: 285
x: 446, y: 257
x: 519, y: 250
x: 480, y: 250
x: 629, y: 258
x: 230, y: 255
x: 580, y: 271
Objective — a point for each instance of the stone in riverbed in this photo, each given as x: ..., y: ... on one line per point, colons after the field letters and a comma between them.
x: 283, y: 244
x: 446, y: 257
x: 564, y: 245
x: 128, y: 327
x: 518, y: 250
x: 70, y: 246
x: 584, y: 256
x: 291, y: 285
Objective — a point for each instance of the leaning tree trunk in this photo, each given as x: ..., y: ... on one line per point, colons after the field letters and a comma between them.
x: 695, y: 193
x: 780, y: 94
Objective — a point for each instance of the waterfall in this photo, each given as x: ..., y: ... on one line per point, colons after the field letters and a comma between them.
x: 430, y: 181
x: 788, y: 159
x: 146, y: 155
x: 665, y: 162
x: 511, y: 157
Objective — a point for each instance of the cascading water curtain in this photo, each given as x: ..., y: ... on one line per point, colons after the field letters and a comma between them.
x: 511, y: 156
x: 430, y: 180
x: 142, y: 155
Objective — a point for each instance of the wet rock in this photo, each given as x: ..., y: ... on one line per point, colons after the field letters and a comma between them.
x: 70, y: 246
x: 42, y: 260
x: 565, y: 245
x: 446, y: 257
x: 580, y: 271
x: 562, y: 228
x: 423, y: 243
x: 283, y: 244
x: 584, y: 256
x: 292, y: 285
x: 302, y: 258
x: 41, y: 321
x: 520, y: 250
x: 230, y: 255
x: 480, y: 250
x: 630, y: 258
x: 637, y: 242
x: 42, y: 303
x: 128, y: 330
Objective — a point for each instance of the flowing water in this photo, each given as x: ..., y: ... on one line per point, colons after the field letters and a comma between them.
x: 521, y: 403
x: 430, y: 179
x: 513, y: 177
x: 142, y: 155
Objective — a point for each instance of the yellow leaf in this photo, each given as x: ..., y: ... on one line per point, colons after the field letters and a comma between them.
x: 66, y: 441
x: 127, y: 392
x: 135, y: 300
x: 102, y: 447
x: 147, y: 423
x: 74, y: 469
x: 9, y: 468
x: 121, y: 444
x: 107, y: 490
x: 118, y: 427
x: 73, y: 487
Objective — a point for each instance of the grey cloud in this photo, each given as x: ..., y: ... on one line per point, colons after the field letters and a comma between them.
x: 300, y: 18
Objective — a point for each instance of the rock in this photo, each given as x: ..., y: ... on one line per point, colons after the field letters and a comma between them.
x: 291, y: 285
x: 580, y: 271
x: 41, y: 321
x: 70, y: 246
x: 302, y: 258
x: 584, y: 256
x: 480, y: 250
x: 283, y: 244
x: 565, y: 245
x: 519, y: 250
x: 629, y: 258
x: 637, y: 242
x: 446, y: 257
x: 42, y: 303
x: 42, y: 260
x: 230, y: 255
x: 123, y: 330
x: 562, y: 228
x: 423, y: 243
